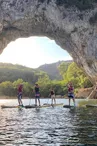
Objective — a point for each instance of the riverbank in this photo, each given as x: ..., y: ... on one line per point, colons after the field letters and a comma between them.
x: 83, y: 93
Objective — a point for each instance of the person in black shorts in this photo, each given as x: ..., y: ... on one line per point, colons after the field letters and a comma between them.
x: 71, y: 93
x: 37, y: 94
x: 20, y: 90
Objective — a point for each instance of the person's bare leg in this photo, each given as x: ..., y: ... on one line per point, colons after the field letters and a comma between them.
x: 39, y: 101
x: 19, y: 101
x: 73, y: 101
x: 69, y: 101
x: 36, y: 101
x: 54, y: 100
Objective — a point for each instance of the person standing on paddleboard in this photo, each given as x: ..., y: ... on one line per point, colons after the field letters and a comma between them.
x: 52, y: 94
x: 71, y: 93
x: 20, y: 90
x: 37, y: 94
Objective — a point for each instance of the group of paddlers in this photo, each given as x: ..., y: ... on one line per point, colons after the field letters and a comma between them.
x: 51, y: 95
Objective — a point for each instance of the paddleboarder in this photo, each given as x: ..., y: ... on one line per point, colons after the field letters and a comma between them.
x: 53, y: 97
x: 71, y: 93
x: 37, y: 94
x: 20, y: 90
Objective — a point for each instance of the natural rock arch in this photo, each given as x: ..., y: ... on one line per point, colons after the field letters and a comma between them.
x: 72, y: 24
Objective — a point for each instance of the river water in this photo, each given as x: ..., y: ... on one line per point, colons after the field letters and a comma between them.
x: 50, y: 126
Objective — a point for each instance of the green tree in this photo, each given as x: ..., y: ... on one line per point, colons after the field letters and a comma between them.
x: 43, y: 80
x: 63, y: 68
x: 6, y: 88
x: 76, y: 75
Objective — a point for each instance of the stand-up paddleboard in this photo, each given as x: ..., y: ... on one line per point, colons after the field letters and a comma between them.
x: 91, y: 105
x: 68, y: 106
x: 52, y: 105
x: 32, y: 106
x: 8, y: 106
x: 44, y: 105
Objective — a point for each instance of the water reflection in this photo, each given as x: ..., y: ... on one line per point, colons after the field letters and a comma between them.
x: 48, y: 127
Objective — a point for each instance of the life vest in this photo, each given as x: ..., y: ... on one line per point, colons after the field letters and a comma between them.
x: 52, y: 92
x: 70, y: 89
x: 20, y: 89
x: 36, y: 89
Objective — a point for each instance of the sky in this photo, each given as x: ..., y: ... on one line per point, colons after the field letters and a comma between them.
x: 33, y: 52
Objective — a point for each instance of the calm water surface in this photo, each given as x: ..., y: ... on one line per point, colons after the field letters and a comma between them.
x: 47, y: 126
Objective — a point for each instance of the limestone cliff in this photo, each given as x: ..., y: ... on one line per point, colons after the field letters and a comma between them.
x: 71, y: 23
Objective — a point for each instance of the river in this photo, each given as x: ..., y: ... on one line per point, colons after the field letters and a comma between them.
x: 50, y: 126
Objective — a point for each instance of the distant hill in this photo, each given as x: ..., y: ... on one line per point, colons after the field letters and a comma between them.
x: 10, y: 72
x: 52, y: 69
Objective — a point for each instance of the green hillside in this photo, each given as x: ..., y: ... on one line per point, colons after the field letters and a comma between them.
x: 10, y: 72
x: 53, y: 69
x: 13, y: 75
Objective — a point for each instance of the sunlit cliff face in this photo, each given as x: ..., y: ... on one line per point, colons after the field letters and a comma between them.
x: 71, y: 24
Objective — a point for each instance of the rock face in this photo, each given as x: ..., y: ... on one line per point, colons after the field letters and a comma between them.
x: 72, y: 24
x: 84, y: 93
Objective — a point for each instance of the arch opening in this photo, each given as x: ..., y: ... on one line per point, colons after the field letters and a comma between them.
x: 33, y: 52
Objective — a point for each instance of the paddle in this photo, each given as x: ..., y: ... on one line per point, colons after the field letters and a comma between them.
x: 49, y: 96
x: 30, y: 101
x: 47, y: 101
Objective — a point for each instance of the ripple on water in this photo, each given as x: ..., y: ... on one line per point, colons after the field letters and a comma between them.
x: 48, y: 127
